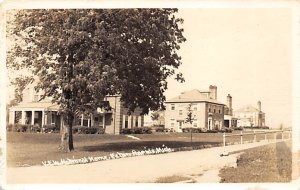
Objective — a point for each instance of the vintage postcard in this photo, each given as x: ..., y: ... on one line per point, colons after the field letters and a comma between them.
x: 99, y: 93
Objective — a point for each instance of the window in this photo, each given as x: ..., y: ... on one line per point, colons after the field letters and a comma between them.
x: 136, y: 121
x: 195, y: 108
x: 180, y: 112
x: 172, y: 106
x: 209, y: 110
x: 53, y: 118
x: 214, y: 110
x: 219, y: 111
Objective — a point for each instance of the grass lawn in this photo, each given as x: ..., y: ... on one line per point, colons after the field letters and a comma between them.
x: 269, y: 163
x: 33, y: 148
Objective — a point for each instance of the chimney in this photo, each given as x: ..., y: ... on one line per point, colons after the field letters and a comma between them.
x: 213, y: 92
x: 229, y: 104
x: 259, y: 105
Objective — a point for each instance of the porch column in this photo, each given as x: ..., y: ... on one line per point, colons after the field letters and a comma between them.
x: 46, y: 117
x: 92, y: 120
x: 103, y: 120
x: 129, y: 121
x: 23, y: 118
x: 89, y: 122
x: 32, y: 118
x: 139, y: 121
x: 81, y: 123
x: 123, y: 121
x: 12, y: 116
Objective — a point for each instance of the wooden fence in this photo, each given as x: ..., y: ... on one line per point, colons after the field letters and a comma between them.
x: 256, y: 133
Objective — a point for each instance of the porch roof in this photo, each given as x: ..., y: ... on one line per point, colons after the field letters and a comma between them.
x: 47, y: 106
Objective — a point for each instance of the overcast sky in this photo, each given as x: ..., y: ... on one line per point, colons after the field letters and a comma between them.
x: 245, y: 52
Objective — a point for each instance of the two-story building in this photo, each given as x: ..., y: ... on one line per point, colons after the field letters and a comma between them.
x: 207, y: 111
x: 32, y: 111
x: 250, y: 116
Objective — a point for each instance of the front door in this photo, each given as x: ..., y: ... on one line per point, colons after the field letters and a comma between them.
x: 179, y: 126
x: 209, y: 123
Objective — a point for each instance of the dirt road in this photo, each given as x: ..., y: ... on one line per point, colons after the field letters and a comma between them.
x: 199, y: 165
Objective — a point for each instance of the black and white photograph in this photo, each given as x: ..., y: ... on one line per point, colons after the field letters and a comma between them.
x: 179, y: 92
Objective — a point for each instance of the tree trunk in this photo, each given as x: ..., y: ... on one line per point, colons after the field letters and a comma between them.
x: 67, y: 135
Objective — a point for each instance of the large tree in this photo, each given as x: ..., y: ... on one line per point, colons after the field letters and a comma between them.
x: 81, y: 55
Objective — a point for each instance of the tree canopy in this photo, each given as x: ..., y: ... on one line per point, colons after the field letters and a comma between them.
x: 81, y: 55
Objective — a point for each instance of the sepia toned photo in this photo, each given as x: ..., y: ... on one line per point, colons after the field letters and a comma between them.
x: 194, y: 93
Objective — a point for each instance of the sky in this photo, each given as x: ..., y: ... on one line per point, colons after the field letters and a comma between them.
x: 245, y: 52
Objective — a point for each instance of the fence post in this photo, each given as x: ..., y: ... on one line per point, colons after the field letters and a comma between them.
x: 282, y: 137
x: 265, y: 136
x: 224, y: 143
x: 290, y: 135
x: 254, y: 137
x: 241, y: 137
x: 275, y: 136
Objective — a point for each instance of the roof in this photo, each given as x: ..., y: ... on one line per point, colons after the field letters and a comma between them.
x: 37, y: 105
x: 192, y: 96
x: 248, y: 108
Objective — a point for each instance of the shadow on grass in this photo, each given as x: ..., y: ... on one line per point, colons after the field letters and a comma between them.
x: 284, y: 162
x: 138, y: 145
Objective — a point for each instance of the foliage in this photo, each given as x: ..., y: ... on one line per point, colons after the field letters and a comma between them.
x: 189, y: 116
x: 238, y: 128
x: 19, y: 128
x: 191, y: 129
x: 81, y: 55
x: 154, y: 116
x: 87, y: 130
x: 137, y: 130
x: 51, y: 129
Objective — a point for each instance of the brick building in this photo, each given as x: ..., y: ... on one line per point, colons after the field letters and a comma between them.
x: 31, y: 111
x: 207, y: 110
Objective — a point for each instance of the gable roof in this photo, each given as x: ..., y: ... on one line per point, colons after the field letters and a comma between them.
x: 192, y: 96
x: 248, y: 108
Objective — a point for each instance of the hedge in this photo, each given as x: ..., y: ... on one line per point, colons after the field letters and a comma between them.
x: 87, y: 130
x: 136, y: 130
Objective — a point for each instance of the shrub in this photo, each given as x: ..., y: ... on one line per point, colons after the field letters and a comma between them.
x: 125, y: 131
x: 9, y: 127
x: 238, y: 128
x: 136, y: 130
x: 159, y: 130
x: 51, y: 129
x: 100, y: 130
x: 22, y: 128
x: 87, y: 130
x: 194, y: 130
x: 212, y: 131
x: 226, y: 130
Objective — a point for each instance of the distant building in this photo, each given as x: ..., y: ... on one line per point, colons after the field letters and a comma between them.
x: 31, y: 111
x: 149, y: 122
x: 208, y: 111
x: 250, y: 116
